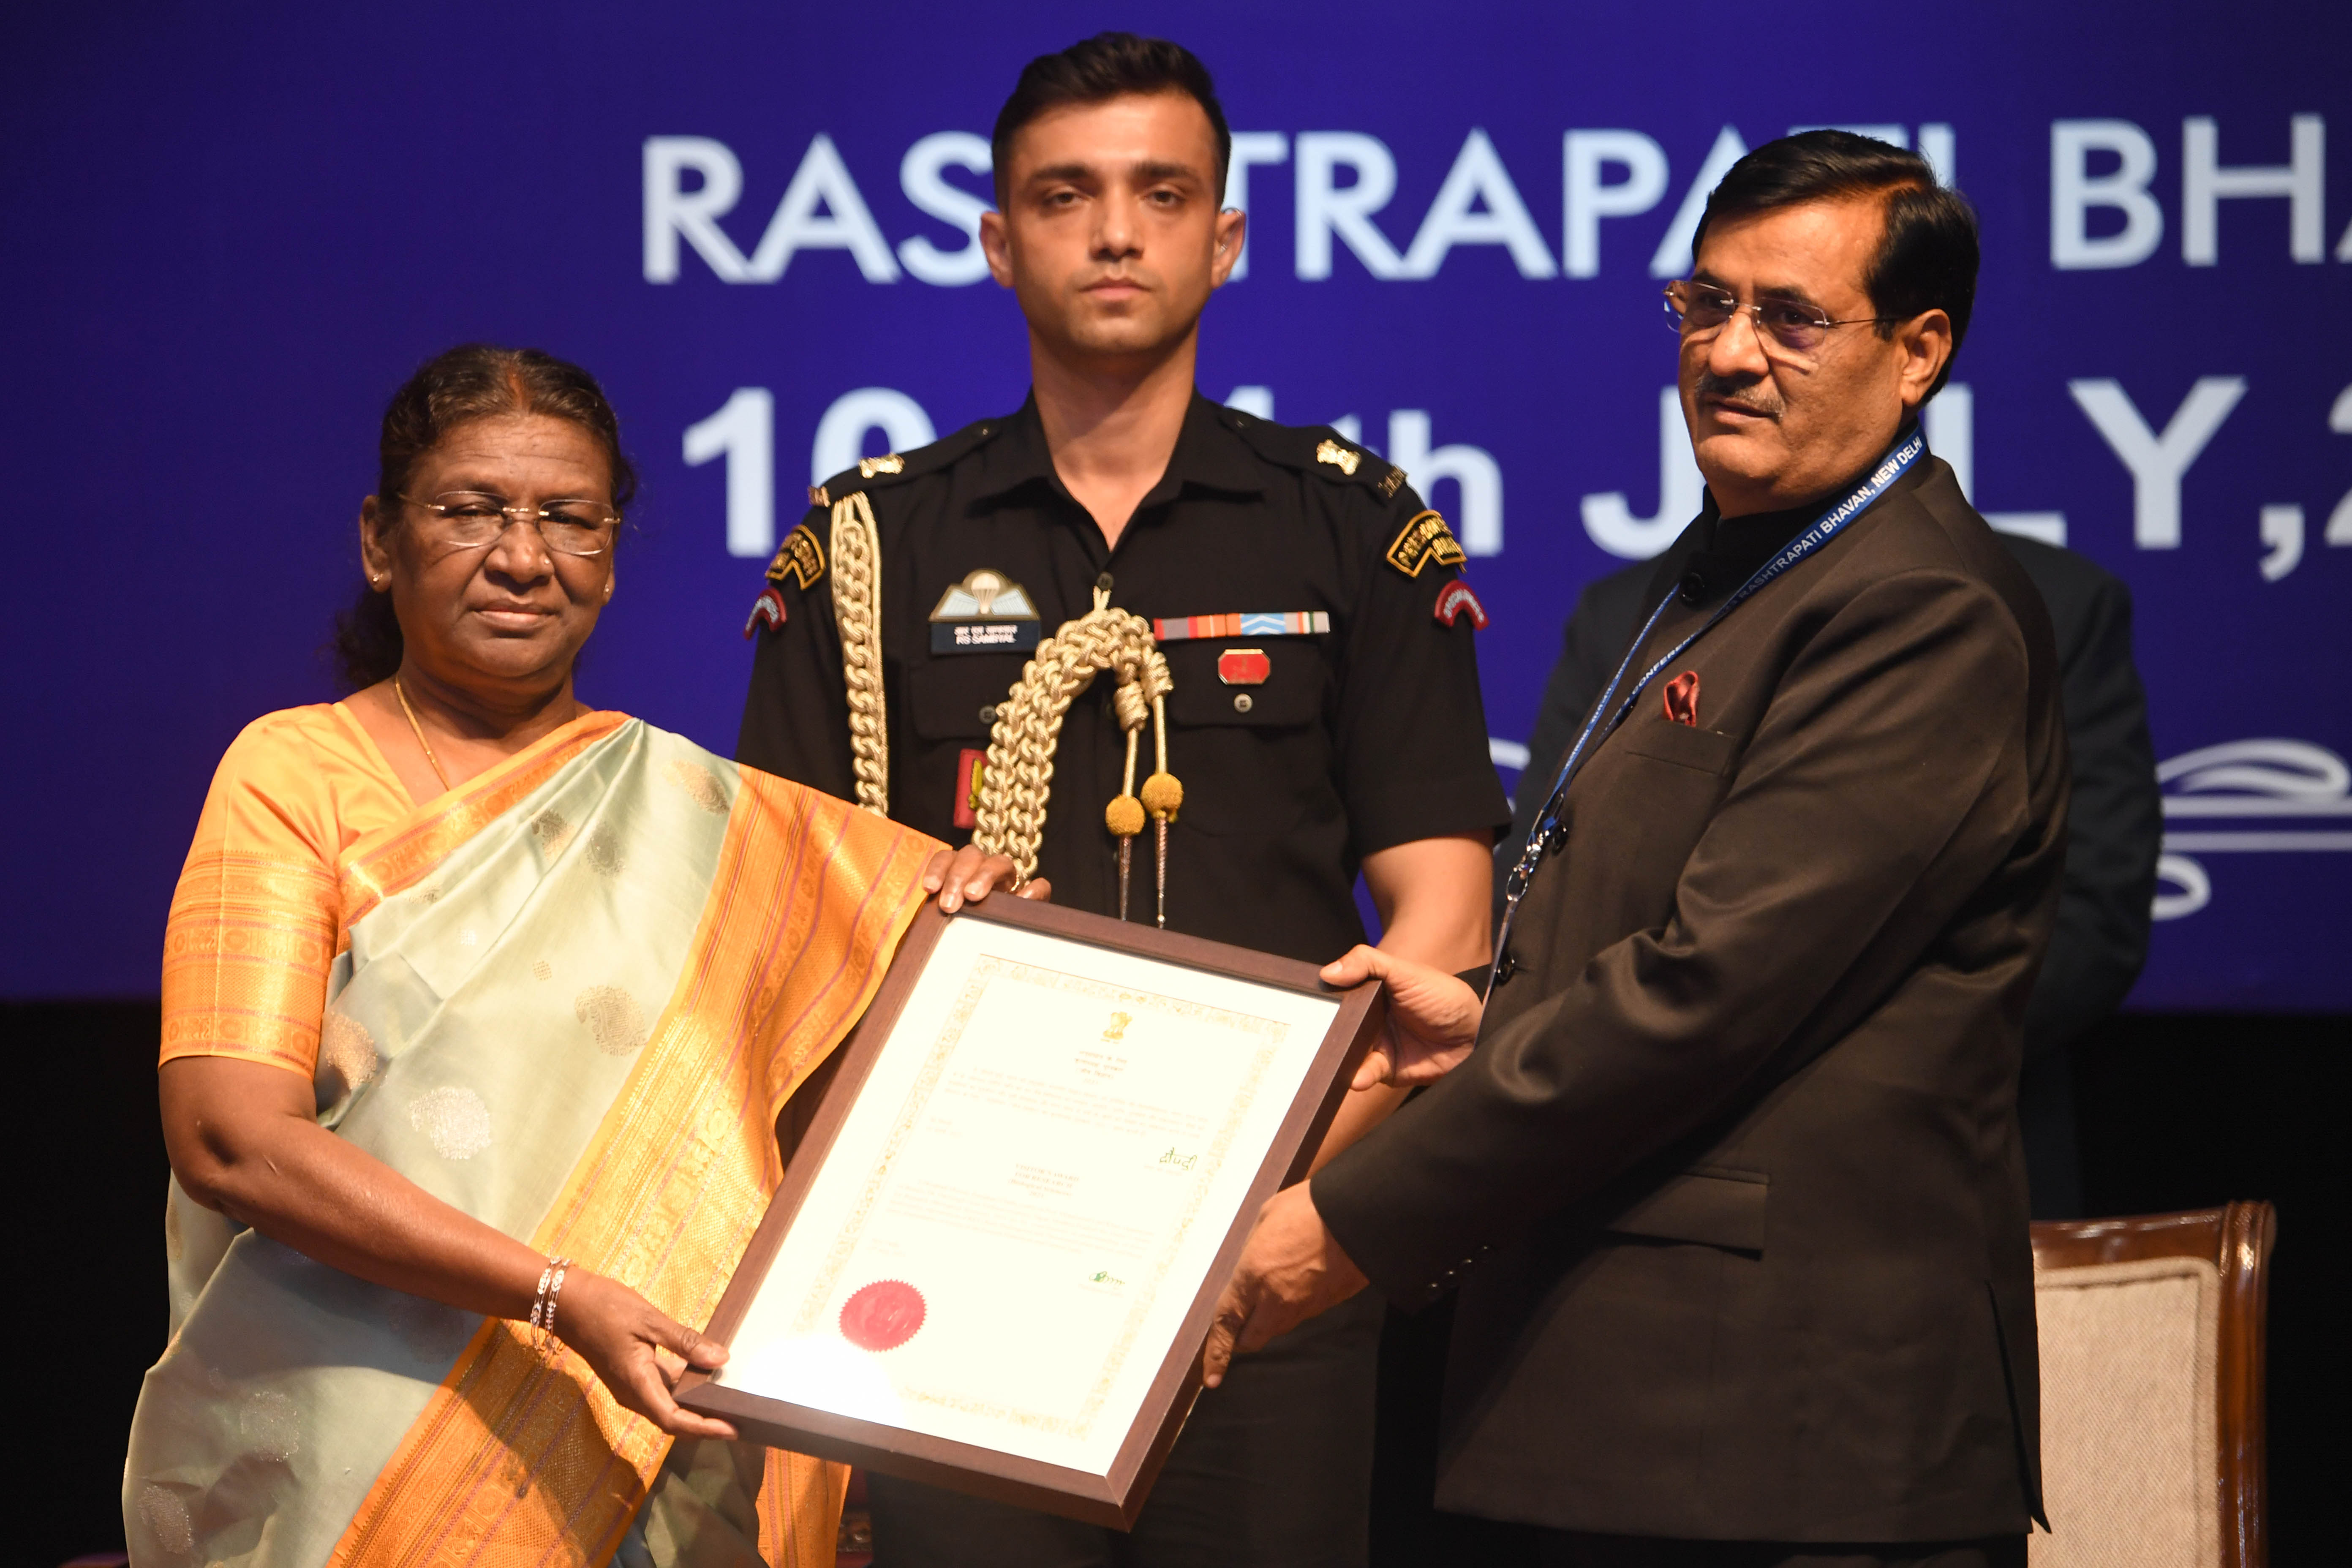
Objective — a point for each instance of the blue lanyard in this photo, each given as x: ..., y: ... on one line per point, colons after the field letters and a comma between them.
x: 1824, y: 528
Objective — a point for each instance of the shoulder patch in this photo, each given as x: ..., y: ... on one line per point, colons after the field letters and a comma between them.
x: 767, y: 610
x: 800, y: 557
x: 1456, y: 600
x: 1341, y: 457
x: 1425, y: 538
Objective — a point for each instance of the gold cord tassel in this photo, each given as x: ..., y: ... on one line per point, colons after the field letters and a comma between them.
x: 1124, y: 818
x: 1162, y: 797
x: 1018, y: 780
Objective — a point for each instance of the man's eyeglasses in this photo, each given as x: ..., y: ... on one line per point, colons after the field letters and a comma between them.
x: 472, y: 520
x: 1699, y: 311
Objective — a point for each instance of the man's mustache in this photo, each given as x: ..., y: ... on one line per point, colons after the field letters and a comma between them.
x: 1750, y: 396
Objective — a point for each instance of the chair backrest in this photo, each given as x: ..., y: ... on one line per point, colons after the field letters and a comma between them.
x: 2152, y: 1353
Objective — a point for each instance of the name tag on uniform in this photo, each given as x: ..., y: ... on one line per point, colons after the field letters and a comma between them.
x: 984, y: 636
x: 986, y: 613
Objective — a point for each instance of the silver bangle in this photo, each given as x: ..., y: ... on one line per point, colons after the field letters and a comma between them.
x: 538, y: 1297
x: 563, y: 1266
x: 542, y: 1302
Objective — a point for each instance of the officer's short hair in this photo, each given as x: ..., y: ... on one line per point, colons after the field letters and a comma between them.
x: 1928, y: 258
x: 1106, y: 65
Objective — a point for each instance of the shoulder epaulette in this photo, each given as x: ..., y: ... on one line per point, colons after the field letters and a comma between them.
x: 1315, y: 448
x: 897, y: 467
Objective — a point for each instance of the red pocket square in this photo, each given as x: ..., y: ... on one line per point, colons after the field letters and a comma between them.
x: 1682, y: 698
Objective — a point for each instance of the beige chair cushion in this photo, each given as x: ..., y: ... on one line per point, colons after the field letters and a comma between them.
x: 2129, y: 1419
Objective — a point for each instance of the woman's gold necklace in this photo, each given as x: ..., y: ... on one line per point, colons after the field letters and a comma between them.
x: 419, y: 730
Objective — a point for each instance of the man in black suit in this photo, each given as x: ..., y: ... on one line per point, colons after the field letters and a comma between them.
x: 2115, y: 824
x: 1726, y: 1167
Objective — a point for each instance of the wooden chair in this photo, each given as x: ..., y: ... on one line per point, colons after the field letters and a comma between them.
x: 2152, y: 1349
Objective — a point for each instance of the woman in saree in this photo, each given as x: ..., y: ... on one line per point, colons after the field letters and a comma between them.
x: 480, y: 1011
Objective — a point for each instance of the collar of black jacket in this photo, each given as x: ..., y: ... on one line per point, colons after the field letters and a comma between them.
x: 1730, y: 550
x: 1208, y: 456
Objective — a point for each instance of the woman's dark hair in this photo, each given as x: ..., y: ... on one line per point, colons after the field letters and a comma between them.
x: 1106, y: 65
x: 470, y: 382
x: 1927, y: 256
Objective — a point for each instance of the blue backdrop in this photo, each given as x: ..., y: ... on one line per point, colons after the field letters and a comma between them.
x: 231, y: 231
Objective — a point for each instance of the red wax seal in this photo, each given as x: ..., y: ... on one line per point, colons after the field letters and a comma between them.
x: 882, y: 1316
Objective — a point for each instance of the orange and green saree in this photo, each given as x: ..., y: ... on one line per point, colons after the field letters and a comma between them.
x: 569, y: 997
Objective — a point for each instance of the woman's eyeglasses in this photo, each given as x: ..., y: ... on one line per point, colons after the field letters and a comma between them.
x: 471, y: 520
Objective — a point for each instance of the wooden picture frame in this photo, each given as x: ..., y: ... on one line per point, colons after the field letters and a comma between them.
x: 1116, y: 1498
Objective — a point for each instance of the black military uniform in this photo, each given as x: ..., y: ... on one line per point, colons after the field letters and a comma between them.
x: 1326, y: 705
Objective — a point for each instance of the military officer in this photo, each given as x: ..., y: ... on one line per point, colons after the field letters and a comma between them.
x: 1323, y: 717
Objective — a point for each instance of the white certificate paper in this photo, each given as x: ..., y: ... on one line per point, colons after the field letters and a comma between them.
x: 1028, y: 1192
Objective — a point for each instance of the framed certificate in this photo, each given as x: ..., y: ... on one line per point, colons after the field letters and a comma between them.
x: 995, y: 1255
